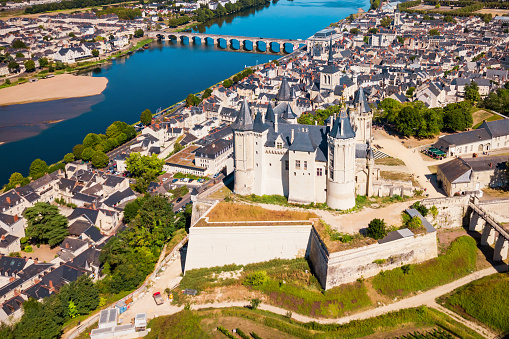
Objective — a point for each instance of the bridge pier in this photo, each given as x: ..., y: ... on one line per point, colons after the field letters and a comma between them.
x: 476, y: 222
x: 488, y: 235
x: 501, y: 249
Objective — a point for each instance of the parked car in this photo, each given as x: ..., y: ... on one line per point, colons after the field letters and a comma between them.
x: 179, y: 200
x: 174, y: 181
x: 165, y: 179
x: 158, y: 298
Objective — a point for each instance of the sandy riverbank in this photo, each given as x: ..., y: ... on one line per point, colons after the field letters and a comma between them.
x: 60, y: 87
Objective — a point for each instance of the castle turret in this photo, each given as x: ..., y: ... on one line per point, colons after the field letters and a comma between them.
x: 362, y: 117
x: 243, y: 152
x: 284, y: 93
x: 341, y: 164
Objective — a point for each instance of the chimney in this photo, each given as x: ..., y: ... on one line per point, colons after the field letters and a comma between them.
x: 2, y: 237
x: 16, y: 218
x: 275, y: 123
x: 293, y: 136
x: 8, y: 200
x: 36, y: 261
x: 51, y: 285
x: 66, y: 245
x: 11, y: 279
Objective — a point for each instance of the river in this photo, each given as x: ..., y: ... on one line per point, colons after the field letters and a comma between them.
x: 158, y: 77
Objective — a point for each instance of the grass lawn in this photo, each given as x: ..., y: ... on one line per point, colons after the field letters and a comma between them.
x: 220, y: 194
x: 228, y: 212
x: 480, y: 116
x: 485, y: 300
x: 390, y: 161
x: 459, y: 260
x: 204, y: 323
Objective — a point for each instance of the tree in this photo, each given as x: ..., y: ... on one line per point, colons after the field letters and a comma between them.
x: 487, y: 18
x: 458, y: 116
x: 100, y: 159
x: 255, y: 303
x: 72, y: 35
x: 138, y: 33
x: 69, y: 157
x: 376, y: 229
x: 373, y: 30
x: 73, y: 311
x: 38, y: 168
x: 386, y: 21
x: 18, y: 44
x: 410, y: 91
x: 20, y: 55
x: 91, y: 140
x: 139, y: 165
x: 131, y: 210
x: 472, y: 92
x: 409, y: 120
x: 16, y: 180
x: 227, y: 83
x: 192, y: 100
x: 95, y: 53
x: 401, y: 40
x: 77, y: 150
x: 420, y: 208
x: 434, y: 32
x: 12, y: 65
x: 354, y: 31
x: 45, y: 224
x: 366, y: 39
x: 43, y: 62
x: 146, y: 117
x: 87, y: 154
x: 207, y: 93
x: 29, y: 65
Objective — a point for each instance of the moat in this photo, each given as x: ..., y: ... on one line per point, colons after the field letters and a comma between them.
x: 157, y: 77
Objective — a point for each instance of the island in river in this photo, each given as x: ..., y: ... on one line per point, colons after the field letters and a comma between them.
x: 62, y: 86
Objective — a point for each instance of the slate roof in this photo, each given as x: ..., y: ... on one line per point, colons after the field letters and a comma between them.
x: 244, y: 121
x: 496, y: 128
x: 342, y: 129
x: 302, y: 142
x: 118, y: 196
x: 284, y: 91
x: 360, y: 99
x: 454, y: 170
x: 270, y: 115
x: 94, y: 234
x: 463, y: 138
x: 78, y: 227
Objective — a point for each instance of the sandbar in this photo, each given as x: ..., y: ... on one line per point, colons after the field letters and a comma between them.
x: 60, y: 87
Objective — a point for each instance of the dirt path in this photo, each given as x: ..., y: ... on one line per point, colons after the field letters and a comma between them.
x: 412, y: 159
x: 170, y: 276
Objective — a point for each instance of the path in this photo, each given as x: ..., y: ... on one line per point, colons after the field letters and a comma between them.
x: 172, y: 275
x: 412, y: 159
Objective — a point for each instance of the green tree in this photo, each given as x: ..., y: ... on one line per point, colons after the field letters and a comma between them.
x: 139, y: 165
x: 373, y: 30
x: 138, y: 33
x: 95, y: 53
x: 355, y: 31
x: 91, y: 140
x: 100, y: 160
x: 69, y: 157
x: 227, y: 83
x: 146, y: 117
x: 131, y: 210
x: 386, y: 22
x: 18, y: 44
x: 410, y: 91
x: 366, y: 39
x: 458, y: 116
x: 472, y: 92
x: 409, y: 120
x: 376, y: 229
x: 421, y: 208
x: 72, y: 35
x: 207, y: 93
x: 45, y: 224
x: 192, y: 100
x: 87, y: 154
x: 434, y: 32
x: 13, y: 65
x: 20, y: 55
x: 77, y: 150
x: 401, y: 40
x: 255, y: 303
x: 38, y: 168
x: 43, y: 62
x: 16, y: 180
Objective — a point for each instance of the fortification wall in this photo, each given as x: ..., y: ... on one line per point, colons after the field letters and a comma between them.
x: 241, y: 245
x: 319, y: 257
x: 451, y: 211
x: 347, y: 266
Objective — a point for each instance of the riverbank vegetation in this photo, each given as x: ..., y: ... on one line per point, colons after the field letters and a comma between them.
x: 484, y: 300
x: 71, y: 4
x: 203, y: 324
x: 204, y: 13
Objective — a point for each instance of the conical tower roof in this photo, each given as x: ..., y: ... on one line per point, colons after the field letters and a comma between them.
x: 342, y: 129
x: 270, y: 116
x: 284, y: 91
x: 258, y: 125
x: 360, y: 99
x: 244, y: 121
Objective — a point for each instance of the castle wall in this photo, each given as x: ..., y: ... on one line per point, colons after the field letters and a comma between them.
x: 301, y: 183
x: 498, y: 209
x: 241, y: 245
x: 347, y: 266
x: 318, y: 256
x: 451, y: 211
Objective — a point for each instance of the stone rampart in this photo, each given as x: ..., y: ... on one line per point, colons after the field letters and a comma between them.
x: 451, y: 211
x: 498, y: 209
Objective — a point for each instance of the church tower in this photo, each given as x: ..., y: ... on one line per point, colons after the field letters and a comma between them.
x: 341, y: 164
x: 362, y: 117
x: 243, y: 150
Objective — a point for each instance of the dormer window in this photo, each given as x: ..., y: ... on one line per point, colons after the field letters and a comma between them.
x: 279, y: 145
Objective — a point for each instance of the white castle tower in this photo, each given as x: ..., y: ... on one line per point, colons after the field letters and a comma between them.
x: 341, y: 164
x: 361, y: 117
x: 243, y: 141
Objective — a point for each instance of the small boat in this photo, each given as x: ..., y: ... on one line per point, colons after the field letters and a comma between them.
x: 146, y: 46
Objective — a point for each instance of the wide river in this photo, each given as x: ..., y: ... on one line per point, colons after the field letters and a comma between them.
x: 158, y: 77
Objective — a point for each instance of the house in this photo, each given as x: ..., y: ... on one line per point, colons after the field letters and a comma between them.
x: 466, y: 175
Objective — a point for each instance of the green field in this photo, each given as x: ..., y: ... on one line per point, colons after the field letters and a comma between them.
x: 485, y: 300
x: 204, y: 324
x: 459, y: 260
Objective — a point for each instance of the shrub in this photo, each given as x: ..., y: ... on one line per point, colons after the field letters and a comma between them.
x: 226, y: 332
x: 28, y: 249
x: 256, y: 279
x: 421, y: 208
x: 242, y: 334
x: 376, y: 229
x: 255, y: 336
x: 255, y: 303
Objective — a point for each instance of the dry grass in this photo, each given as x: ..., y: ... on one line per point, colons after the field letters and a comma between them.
x: 228, y: 212
x: 493, y: 12
x: 399, y: 176
x: 497, y: 193
x: 480, y: 116
x: 432, y: 8
x: 220, y: 194
x: 390, y: 162
x: 433, y: 169
x: 327, y: 235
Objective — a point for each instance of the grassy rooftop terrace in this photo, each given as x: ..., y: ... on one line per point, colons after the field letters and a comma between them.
x: 233, y: 214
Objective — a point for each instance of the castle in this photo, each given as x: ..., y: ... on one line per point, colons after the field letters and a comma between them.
x: 273, y: 154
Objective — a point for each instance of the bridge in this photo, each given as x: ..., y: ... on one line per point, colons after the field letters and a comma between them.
x: 491, y: 231
x: 269, y: 44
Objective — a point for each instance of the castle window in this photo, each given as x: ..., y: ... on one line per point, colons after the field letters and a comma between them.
x: 331, y: 175
x: 287, y: 165
x: 279, y: 145
x: 297, y: 164
x: 319, y: 172
x: 331, y: 162
x: 305, y: 165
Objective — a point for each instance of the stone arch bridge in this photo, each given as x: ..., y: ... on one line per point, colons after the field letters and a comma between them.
x: 215, y: 39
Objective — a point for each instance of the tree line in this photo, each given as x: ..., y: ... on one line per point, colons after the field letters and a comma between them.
x: 498, y: 100
x: 56, y: 6
x: 415, y: 119
x: 204, y: 13
x: 123, y: 13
